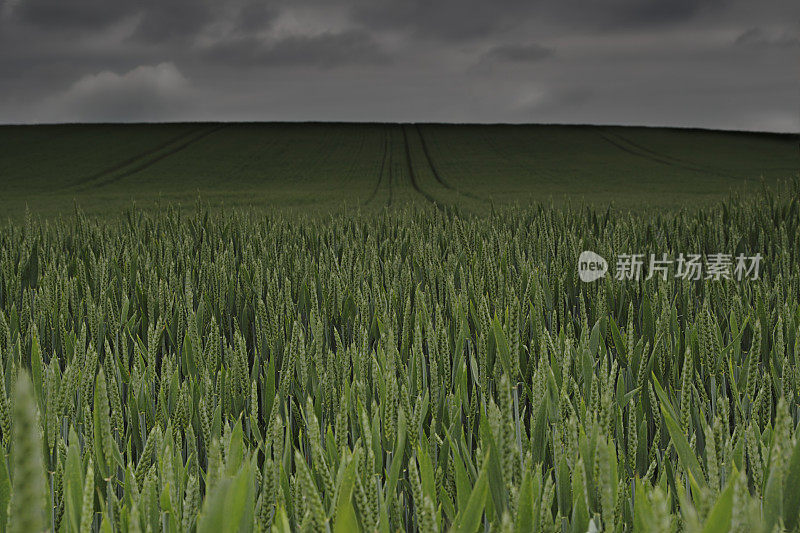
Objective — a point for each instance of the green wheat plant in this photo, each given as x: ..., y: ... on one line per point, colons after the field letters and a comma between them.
x: 416, y: 369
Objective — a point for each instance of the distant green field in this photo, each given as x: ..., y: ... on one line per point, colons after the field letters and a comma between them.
x: 402, y: 350
x: 103, y: 168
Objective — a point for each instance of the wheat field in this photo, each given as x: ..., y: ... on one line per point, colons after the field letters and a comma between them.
x: 415, y: 369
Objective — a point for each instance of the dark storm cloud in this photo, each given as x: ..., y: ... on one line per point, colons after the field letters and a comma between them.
x: 758, y: 37
x: 72, y: 14
x: 522, y: 53
x: 158, y: 20
x: 470, y: 19
x: 324, y: 51
x: 445, y: 19
x: 616, y: 14
x: 175, y: 20
x: 712, y: 63
x: 254, y: 16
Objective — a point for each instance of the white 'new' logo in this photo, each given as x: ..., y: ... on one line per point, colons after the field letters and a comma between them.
x: 591, y: 266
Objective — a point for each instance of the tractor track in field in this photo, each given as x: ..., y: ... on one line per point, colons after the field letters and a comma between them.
x: 650, y: 155
x: 435, y: 171
x: 112, y: 178
x: 391, y: 178
x: 676, y: 160
x: 383, y: 166
x: 122, y: 164
x: 412, y: 176
x: 436, y: 174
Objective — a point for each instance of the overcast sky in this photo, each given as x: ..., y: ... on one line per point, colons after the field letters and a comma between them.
x: 732, y: 64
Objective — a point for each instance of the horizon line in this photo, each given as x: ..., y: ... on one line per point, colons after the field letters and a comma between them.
x: 376, y: 122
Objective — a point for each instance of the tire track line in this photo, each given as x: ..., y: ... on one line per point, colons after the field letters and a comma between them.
x: 435, y: 171
x: 678, y: 160
x: 390, y: 169
x: 657, y: 154
x: 383, y: 165
x: 664, y: 160
x: 149, y: 163
x: 412, y: 175
x: 436, y: 174
x: 119, y: 166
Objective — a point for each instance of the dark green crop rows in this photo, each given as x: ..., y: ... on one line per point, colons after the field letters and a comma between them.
x: 339, y: 167
x: 416, y: 369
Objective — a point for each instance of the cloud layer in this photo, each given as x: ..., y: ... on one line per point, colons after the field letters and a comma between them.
x: 146, y: 93
x: 700, y: 63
